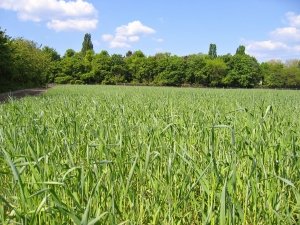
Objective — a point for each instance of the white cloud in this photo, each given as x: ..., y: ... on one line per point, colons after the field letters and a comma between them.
x: 266, y: 45
x: 119, y: 44
x: 293, y: 19
x: 107, y: 37
x: 270, y: 49
x: 284, y: 42
x: 55, y: 12
x: 290, y: 33
x: 73, y: 24
x: 126, y: 34
x: 134, y: 28
x: 134, y: 38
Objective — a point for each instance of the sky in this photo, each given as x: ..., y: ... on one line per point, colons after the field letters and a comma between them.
x: 270, y: 29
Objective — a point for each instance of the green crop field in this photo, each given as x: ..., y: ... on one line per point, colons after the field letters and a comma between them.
x: 150, y: 155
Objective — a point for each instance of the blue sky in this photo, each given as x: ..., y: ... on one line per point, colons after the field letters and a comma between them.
x: 270, y: 29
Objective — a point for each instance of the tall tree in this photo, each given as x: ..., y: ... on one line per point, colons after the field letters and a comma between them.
x: 240, y: 50
x: 212, y: 52
x: 5, y: 56
x: 87, y: 44
x: 129, y: 53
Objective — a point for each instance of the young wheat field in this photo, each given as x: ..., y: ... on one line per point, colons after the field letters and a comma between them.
x: 150, y: 155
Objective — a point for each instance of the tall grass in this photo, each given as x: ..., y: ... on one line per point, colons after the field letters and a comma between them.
x: 141, y: 155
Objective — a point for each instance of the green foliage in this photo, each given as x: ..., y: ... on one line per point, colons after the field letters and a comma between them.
x: 273, y: 74
x: 167, y: 78
x: 194, y: 71
x: 129, y: 53
x: 119, y: 69
x: 243, y: 71
x: 241, y: 50
x: 63, y: 80
x: 212, y: 52
x: 5, y: 56
x: 135, y: 64
x: 53, y: 54
x: 214, y: 72
x: 101, y: 66
x: 24, y: 63
x: 87, y: 44
x: 73, y: 64
x: 171, y: 70
x: 292, y: 74
x: 30, y: 63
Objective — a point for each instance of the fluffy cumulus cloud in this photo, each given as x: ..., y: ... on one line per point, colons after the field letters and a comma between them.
x: 73, y: 24
x: 127, y: 34
x: 284, y: 42
x: 287, y: 33
x: 60, y: 15
x: 293, y: 19
x: 268, y: 45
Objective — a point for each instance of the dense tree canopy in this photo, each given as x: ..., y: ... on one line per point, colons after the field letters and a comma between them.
x: 243, y: 71
x: 24, y: 63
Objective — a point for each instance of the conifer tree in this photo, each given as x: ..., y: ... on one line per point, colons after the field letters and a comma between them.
x: 240, y: 50
x: 87, y: 44
x: 212, y: 52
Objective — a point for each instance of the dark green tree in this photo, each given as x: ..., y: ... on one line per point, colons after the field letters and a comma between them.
x: 243, y: 71
x: 212, y: 52
x: 72, y: 67
x: 87, y: 44
x: 172, y: 71
x: 53, y: 54
x: 129, y: 53
x: 5, y: 56
x: 241, y: 50
x: 195, y: 65
x: 53, y: 68
x: 135, y: 64
x: 101, y: 67
x: 119, y: 69
x: 69, y: 53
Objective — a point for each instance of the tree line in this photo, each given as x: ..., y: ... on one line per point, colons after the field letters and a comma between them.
x: 25, y: 63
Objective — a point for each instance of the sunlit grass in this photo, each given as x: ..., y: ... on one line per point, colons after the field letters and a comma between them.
x: 145, y: 155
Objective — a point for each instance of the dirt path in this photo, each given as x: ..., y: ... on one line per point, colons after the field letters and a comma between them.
x: 21, y: 93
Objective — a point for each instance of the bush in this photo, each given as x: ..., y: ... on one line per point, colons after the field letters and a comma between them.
x: 63, y: 80
x: 78, y: 82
